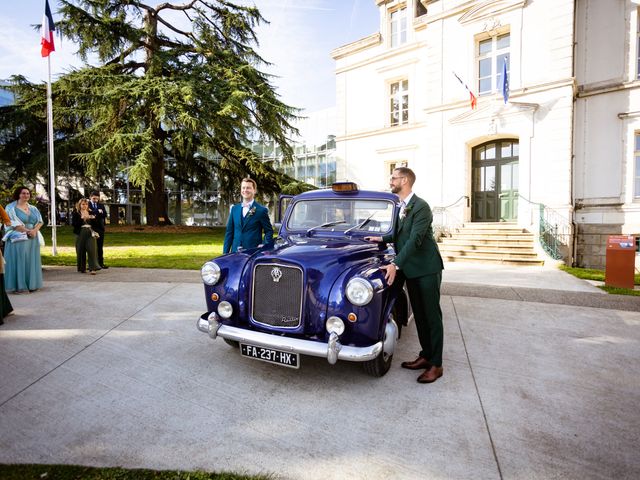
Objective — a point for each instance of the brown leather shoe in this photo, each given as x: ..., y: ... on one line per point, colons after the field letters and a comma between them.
x: 430, y: 375
x: 418, y: 364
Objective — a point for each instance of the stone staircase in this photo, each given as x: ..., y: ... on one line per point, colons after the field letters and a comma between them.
x: 501, y: 243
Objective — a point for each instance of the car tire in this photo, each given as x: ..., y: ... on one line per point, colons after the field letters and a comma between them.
x: 232, y: 343
x: 380, y: 365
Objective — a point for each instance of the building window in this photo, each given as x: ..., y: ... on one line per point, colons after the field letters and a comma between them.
x: 399, y: 103
x: 636, y: 154
x: 398, y: 27
x: 420, y: 8
x: 393, y: 164
x: 491, y: 55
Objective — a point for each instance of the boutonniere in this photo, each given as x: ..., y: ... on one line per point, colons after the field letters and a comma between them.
x: 251, y: 211
x: 406, y: 211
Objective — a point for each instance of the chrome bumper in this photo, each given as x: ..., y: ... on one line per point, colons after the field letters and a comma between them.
x: 332, y: 351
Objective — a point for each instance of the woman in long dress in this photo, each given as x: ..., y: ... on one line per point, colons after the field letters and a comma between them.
x: 23, y: 267
x: 5, y: 305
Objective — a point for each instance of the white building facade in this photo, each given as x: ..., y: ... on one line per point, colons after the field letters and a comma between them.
x: 561, y: 152
x: 606, y: 177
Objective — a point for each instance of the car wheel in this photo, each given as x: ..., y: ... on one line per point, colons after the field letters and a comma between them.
x: 232, y: 343
x: 382, y: 363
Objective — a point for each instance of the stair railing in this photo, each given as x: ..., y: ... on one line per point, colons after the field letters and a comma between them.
x: 449, y: 218
x: 555, y: 231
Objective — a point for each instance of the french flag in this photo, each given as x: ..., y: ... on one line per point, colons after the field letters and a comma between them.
x: 473, y: 100
x: 48, y: 27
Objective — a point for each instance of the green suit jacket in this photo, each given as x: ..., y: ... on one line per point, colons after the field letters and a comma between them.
x: 417, y: 253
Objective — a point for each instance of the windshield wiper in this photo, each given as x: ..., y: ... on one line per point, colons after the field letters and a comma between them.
x: 361, y: 224
x: 328, y: 224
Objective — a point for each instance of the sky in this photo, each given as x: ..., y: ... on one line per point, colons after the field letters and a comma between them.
x: 298, y: 42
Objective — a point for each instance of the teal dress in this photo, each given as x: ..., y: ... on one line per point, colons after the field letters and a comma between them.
x: 23, y: 267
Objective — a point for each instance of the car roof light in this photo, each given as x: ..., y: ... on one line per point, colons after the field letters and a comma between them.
x: 344, y: 187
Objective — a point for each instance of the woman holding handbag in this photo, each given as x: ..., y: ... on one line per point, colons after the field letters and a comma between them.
x: 5, y: 305
x: 83, y: 226
x: 23, y: 267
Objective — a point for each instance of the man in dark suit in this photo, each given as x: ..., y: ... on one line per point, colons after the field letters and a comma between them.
x: 96, y: 208
x: 418, y: 262
x: 248, y: 225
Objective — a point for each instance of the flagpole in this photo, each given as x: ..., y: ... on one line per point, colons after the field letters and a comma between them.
x: 52, y: 176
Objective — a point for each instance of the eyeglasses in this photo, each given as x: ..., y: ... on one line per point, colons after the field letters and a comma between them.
x: 397, y: 178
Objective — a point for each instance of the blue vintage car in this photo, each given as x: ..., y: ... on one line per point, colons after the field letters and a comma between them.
x: 319, y: 291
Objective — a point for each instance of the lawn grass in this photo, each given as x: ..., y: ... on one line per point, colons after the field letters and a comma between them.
x: 143, y: 247
x: 598, y: 275
x: 620, y: 291
x: 75, y: 472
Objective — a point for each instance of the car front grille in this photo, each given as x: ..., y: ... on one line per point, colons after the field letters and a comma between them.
x: 277, y: 295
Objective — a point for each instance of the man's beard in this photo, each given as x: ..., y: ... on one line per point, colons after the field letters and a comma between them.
x: 395, y: 189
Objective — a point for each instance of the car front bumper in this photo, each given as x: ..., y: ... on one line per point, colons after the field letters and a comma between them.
x: 332, y: 351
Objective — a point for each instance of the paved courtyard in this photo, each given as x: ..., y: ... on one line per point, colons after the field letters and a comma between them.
x: 111, y: 371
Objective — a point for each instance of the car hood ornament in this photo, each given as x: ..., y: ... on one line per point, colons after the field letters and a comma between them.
x: 276, y: 274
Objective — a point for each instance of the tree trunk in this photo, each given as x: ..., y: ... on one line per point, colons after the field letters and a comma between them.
x: 156, y: 198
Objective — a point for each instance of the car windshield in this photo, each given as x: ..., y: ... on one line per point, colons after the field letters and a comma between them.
x: 340, y: 215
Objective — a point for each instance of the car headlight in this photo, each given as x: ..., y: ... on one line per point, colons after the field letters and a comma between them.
x: 210, y: 273
x: 359, y: 291
x: 225, y: 310
x: 335, y: 324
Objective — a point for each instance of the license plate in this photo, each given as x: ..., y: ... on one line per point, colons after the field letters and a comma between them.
x: 270, y: 355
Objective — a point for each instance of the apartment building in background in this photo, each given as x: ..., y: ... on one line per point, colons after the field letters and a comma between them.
x: 315, y: 150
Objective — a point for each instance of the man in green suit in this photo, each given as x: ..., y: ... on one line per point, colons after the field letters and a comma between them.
x: 418, y: 262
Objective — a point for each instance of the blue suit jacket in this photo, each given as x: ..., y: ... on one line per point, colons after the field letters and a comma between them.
x: 101, y: 216
x: 248, y: 232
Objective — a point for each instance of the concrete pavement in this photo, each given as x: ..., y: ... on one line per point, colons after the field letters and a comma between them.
x: 541, y: 381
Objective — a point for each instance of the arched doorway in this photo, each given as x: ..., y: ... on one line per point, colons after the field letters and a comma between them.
x: 494, y: 189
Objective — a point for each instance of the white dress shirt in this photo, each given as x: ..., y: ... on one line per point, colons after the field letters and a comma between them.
x: 246, y: 207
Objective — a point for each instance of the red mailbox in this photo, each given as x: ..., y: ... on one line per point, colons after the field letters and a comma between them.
x: 621, y: 260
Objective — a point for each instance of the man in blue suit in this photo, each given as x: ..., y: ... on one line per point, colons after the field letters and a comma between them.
x: 248, y: 225
x: 96, y: 208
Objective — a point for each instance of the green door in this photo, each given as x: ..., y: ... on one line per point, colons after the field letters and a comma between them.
x: 495, y: 182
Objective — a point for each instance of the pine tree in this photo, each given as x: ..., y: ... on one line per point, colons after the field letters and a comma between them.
x: 176, y: 80
x: 23, y: 137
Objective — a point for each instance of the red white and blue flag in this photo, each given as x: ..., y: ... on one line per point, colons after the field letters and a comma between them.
x: 472, y: 98
x: 48, y: 27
